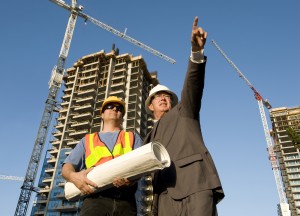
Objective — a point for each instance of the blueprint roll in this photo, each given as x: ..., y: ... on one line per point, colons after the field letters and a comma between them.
x: 132, y: 165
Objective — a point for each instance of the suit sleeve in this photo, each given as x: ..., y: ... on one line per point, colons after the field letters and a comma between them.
x: 192, y: 91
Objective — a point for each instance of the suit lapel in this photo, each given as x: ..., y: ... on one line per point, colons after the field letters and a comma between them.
x: 167, y: 125
x: 154, y: 130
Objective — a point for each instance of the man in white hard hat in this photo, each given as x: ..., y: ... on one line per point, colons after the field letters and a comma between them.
x: 191, y: 185
x: 97, y: 148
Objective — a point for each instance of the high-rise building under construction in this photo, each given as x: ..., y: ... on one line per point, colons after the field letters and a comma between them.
x: 91, y: 79
x: 284, y: 119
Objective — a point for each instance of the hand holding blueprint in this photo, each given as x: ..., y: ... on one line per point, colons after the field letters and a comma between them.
x: 146, y: 159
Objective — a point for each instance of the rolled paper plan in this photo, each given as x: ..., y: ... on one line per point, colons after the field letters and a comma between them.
x: 132, y: 165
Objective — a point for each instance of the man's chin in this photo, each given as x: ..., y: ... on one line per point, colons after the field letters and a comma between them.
x: 165, y: 109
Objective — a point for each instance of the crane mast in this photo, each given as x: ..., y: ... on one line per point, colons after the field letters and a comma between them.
x: 54, y: 86
x: 50, y: 104
x: 270, y: 147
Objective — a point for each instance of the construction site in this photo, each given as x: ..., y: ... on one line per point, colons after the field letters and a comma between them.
x: 94, y: 77
x: 85, y: 88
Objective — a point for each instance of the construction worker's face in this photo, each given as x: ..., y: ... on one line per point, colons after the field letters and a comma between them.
x: 112, y: 110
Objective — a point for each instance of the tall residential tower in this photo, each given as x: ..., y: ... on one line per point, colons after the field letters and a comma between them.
x: 288, y: 155
x: 91, y: 79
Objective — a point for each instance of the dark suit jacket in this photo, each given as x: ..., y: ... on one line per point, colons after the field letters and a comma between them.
x: 192, y: 168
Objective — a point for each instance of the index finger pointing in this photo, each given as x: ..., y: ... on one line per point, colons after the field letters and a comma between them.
x: 195, y: 22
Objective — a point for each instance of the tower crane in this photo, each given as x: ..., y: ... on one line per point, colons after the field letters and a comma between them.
x: 13, y: 178
x: 54, y: 86
x: 283, y: 205
x: 114, y: 31
x: 50, y: 106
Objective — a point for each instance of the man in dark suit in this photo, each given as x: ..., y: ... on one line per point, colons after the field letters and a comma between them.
x: 191, y: 185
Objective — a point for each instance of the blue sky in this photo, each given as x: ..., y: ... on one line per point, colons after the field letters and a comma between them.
x: 260, y: 37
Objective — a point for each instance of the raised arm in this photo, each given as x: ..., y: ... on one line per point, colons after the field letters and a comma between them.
x: 191, y: 94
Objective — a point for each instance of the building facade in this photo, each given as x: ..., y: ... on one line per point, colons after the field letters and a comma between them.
x: 288, y: 154
x: 91, y: 79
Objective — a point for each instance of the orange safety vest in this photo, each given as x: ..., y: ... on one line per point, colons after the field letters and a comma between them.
x: 96, y: 152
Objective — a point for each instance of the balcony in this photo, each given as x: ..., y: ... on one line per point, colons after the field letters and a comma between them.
x: 66, y: 208
x: 80, y: 133
x: 55, y: 142
x: 41, y: 201
x: 88, y: 85
x: 86, y: 107
x: 66, y: 96
x: 59, y: 127
x: 97, y: 119
x: 81, y: 125
x: 40, y: 212
x: 61, y: 118
x: 57, y: 134
x: 51, y: 160
x: 83, y: 116
x: 85, y: 100
x: 53, y: 152
x: 73, y: 142
x: 67, y: 90
x: 47, y: 180
x: 45, y: 190
x: 65, y: 103
x: 89, y: 92
x: 49, y: 169
x: 63, y: 109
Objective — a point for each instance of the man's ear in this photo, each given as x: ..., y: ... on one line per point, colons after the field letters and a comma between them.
x: 151, y: 107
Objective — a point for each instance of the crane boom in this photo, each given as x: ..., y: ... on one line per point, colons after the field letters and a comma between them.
x: 256, y: 93
x: 270, y: 146
x: 115, y: 31
x: 14, y: 178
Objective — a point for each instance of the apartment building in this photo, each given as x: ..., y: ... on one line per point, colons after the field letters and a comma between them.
x: 91, y: 79
x: 288, y: 154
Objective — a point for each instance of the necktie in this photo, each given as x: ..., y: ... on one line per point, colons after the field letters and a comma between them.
x: 154, y: 130
x: 146, y: 187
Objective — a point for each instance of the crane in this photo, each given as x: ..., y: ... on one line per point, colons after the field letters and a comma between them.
x: 50, y: 106
x: 13, y: 178
x: 114, y: 31
x: 54, y: 86
x: 270, y: 147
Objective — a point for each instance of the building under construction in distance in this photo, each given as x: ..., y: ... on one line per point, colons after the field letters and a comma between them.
x: 282, y: 120
x: 91, y: 79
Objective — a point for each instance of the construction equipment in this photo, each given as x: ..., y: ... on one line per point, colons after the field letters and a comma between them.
x: 51, y: 104
x: 54, y: 86
x: 13, y: 178
x: 270, y: 147
x: 112, y: 30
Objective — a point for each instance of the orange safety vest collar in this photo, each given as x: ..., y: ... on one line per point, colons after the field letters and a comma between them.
x: 96, y: 152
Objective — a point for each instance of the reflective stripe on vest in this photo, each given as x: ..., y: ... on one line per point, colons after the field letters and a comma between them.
x: 96, y: 151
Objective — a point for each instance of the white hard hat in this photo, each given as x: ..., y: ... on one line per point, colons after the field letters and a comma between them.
x: 159, y: 88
